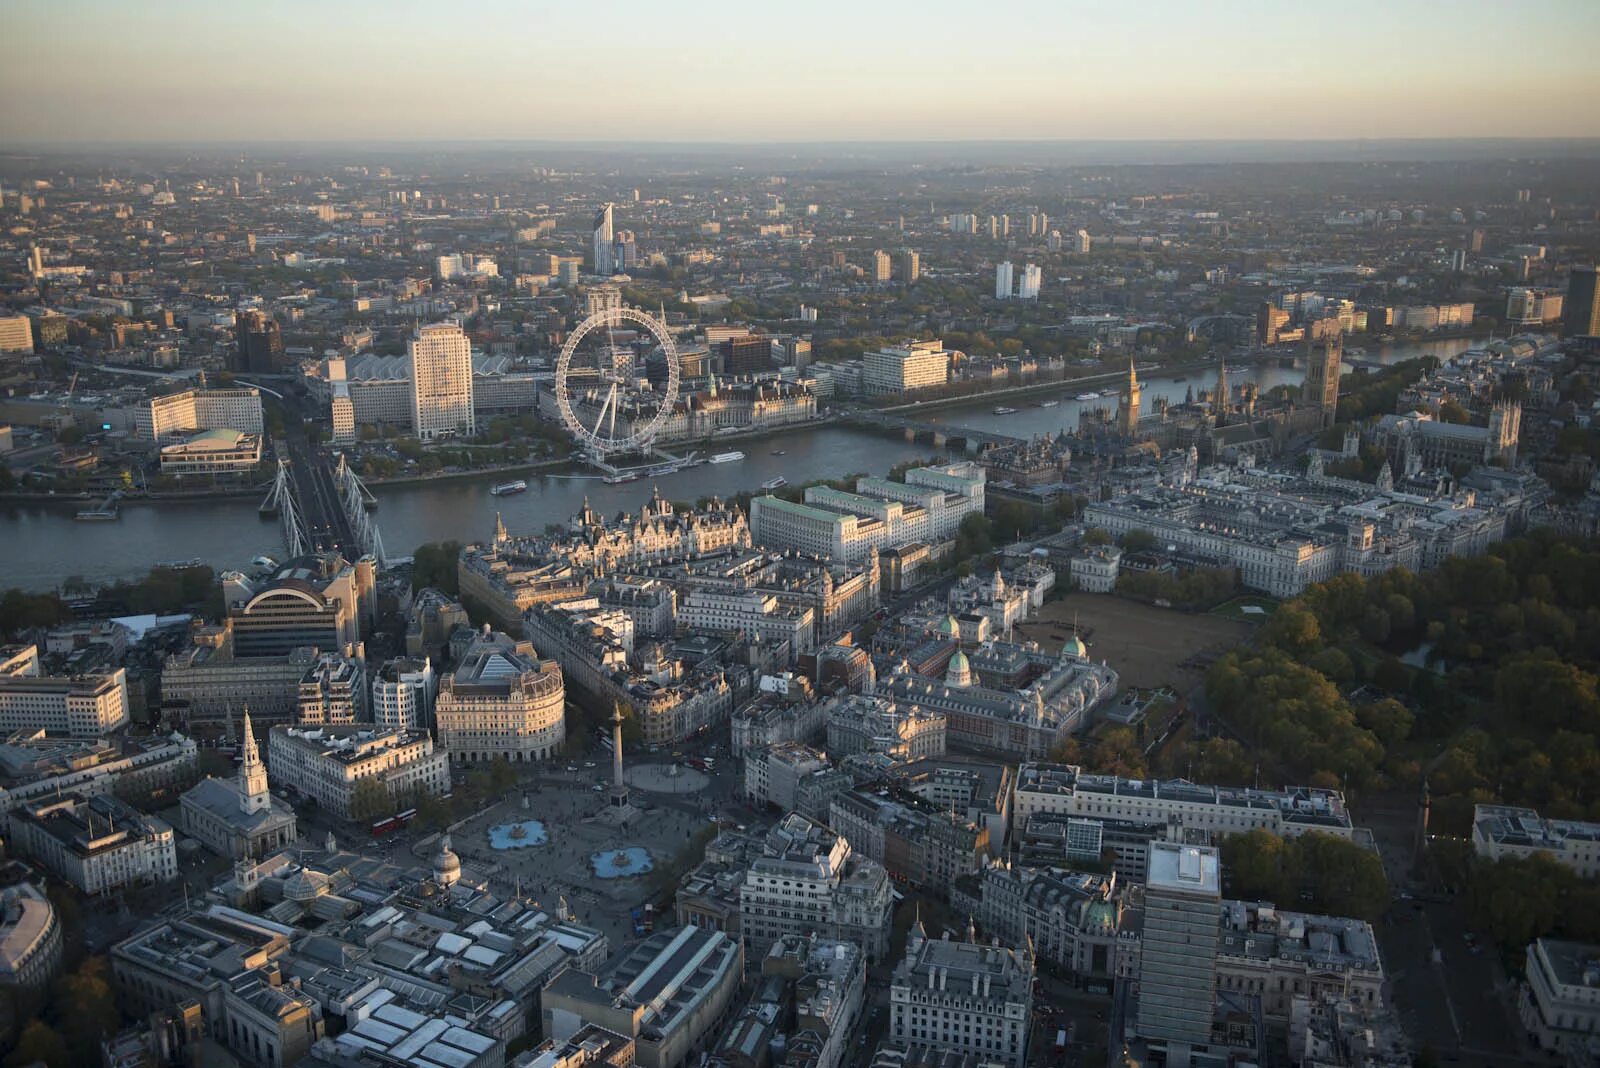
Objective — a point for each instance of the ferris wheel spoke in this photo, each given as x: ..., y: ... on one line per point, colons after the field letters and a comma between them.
x: 610, y: 401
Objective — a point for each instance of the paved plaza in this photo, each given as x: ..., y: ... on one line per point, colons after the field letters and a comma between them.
x: 573, y: 816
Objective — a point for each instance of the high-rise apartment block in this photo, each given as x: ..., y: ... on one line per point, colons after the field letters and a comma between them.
x: 910, y: 266
x: 1002, y: 280
x: 882, y: 266
x: 441, y: 381
x: 1028, y: 287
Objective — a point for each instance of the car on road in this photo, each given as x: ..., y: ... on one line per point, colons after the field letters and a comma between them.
x: 589, y: 764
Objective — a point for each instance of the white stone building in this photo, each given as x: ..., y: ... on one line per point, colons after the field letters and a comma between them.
x: 30, y: 937
x: 502, y: 701
x: 772, y: 774
x: 239, y: 817
x: 1506, y: 831
x: 1068, y: 790
x: 97, y: 844
x: 751, y: 612
x: 807, y: 879
x: 83, y: 706
x: 165, y: 418
x: 331, y: 763
x: 403, y: 691
x: 964, y: 997
x: 1560, y: 1001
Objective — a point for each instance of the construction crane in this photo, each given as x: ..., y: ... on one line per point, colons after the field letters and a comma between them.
x: 64, y: 417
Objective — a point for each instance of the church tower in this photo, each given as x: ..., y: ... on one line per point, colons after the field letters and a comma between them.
x: 1128, y: 416
x: 253, y: 794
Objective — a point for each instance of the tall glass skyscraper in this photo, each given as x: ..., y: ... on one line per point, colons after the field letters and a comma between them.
x: 604, y: 239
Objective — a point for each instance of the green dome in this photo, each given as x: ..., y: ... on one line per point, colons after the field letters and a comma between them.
x: 949, y: 627
x: 1074, y: 646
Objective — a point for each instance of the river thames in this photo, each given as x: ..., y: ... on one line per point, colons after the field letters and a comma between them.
x: 44, y: 545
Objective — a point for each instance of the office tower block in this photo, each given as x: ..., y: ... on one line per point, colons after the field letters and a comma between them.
x: 260, y: 343
x: 1002, y: 281
x: 1178, y: 954
x: 910, y: 266
x: 441, y: 381
x: 1581, y: 310
x: 881, y: 266
x: 16, y: 334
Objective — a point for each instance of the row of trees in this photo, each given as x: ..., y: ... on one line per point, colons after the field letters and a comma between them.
x: 67, y: 1029
x: 435, y: 564
x: 1318, y: 872
x: 1199, y: 589
x: 1516, y: 900
x: 165, y: 590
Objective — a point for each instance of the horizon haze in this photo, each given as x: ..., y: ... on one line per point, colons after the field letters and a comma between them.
x: 94, y: 71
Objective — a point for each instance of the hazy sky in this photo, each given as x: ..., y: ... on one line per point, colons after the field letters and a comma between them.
x: 141, y: 70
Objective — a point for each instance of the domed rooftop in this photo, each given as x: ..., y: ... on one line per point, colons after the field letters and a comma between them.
x: 959, y: 673
x: 949, y: 627
x: 446, y: 865
x: 1074, y: 647
x: 304, y: 885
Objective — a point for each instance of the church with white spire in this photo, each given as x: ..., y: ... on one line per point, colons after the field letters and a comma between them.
x: 238, y: 817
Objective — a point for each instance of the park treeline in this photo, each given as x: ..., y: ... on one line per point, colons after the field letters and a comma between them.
x: 164, y: 591
x: 1500, y: 668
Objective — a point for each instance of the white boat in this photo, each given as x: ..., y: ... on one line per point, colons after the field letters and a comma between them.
x: 775, y: 483
x: 1088, y: 396
x: 507, y: 488
x: 727, y: 457
x: 1050, y: 404
x: 1005, y: 411
x: 1108, y: 393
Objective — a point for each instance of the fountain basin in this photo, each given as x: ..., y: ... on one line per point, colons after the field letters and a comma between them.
x: 621, y: 863
x: 522, y: 835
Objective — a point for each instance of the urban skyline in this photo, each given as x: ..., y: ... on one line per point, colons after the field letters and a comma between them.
x: 873, y: 536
